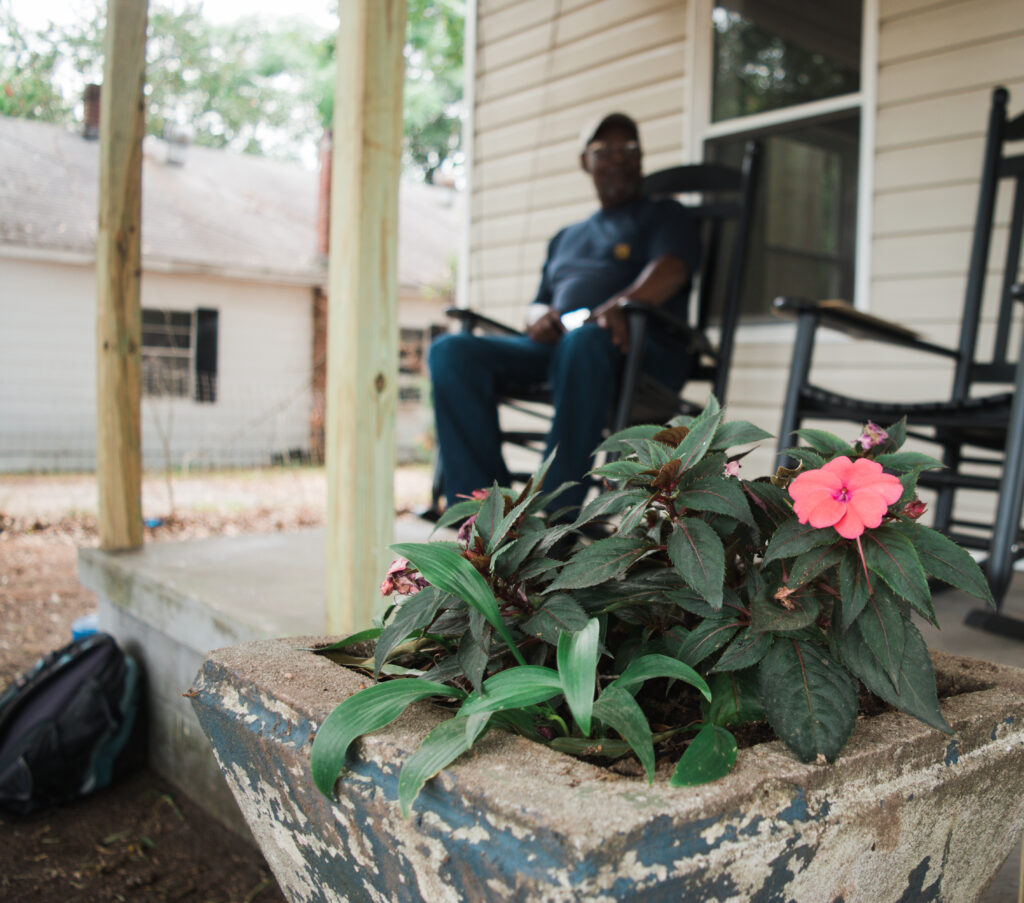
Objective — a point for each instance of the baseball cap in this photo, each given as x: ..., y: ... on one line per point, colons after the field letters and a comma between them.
x: 591, y: 129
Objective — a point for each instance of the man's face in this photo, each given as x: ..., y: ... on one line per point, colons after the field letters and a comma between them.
x: 613, y: 161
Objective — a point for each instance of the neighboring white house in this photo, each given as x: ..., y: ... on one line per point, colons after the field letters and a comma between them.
x: 873, y: 115
x: 231, y: 277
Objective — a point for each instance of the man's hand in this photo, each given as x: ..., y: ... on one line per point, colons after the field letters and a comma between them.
x: 547, y: 328
x: 611, y: 316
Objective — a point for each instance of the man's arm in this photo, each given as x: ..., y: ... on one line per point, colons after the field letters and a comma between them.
x: 660, y: 280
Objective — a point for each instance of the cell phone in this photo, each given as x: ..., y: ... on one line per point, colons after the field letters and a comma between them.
x: 575, y: 318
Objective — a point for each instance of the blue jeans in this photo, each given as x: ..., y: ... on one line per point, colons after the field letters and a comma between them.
x: 470, y: 372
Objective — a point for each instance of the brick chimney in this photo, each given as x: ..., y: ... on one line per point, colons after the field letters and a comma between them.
x: 323, y: 205
x: 91, y: 104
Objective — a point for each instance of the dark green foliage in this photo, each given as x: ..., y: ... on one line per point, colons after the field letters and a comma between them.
x: 708, y: 606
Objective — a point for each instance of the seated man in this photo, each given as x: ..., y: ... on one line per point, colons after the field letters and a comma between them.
x: 633, y: 248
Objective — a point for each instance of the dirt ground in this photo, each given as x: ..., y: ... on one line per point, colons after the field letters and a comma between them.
x: 142, y: 839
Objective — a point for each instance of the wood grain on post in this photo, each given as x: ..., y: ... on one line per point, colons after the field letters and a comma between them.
x: 362, y: 344
x: 118, y: 264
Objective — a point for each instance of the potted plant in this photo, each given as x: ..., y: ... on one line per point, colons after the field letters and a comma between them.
x: 711, y: 610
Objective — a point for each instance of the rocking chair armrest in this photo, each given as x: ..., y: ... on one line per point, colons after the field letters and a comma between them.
x: 470, y: 319
x: 843, y: 317
x: 696, y: 341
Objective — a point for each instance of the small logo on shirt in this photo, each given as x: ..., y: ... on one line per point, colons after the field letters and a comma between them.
x: 621, y: 251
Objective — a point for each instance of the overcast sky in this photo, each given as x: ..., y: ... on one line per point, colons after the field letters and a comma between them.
x: 36, y: 13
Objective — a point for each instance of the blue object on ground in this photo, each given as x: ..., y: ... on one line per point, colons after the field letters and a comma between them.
x: 85, y: 625
x: 152, y: 521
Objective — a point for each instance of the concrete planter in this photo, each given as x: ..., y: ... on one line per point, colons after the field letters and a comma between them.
x: 906, y: 814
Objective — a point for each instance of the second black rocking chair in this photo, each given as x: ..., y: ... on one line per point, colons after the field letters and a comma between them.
x: 980, y: 434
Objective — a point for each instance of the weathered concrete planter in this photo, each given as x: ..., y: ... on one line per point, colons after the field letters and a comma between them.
x: 906, y: 814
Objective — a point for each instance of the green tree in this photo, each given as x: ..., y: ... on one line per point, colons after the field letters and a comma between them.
x: 241, y: 86
x: 28, y: 74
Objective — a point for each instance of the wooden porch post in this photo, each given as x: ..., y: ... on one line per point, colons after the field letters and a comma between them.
x: 118, y: 264
x: 362, y: 338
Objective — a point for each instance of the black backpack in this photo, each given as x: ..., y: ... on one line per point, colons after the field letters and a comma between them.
x: 69, y: 725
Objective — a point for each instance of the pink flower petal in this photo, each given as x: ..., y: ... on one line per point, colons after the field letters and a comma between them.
x: 826, y: 513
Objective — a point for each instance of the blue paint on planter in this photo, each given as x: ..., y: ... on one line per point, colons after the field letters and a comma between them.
x: 774, y: 887
x: 995, y: 728
x: 796, y: 810
x: 952, y: 754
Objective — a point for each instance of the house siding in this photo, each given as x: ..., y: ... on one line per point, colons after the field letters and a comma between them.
x: 545, y: 68
x: 48, y: 389
x: 937, y: 64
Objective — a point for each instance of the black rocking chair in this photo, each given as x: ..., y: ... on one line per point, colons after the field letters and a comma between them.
x: 724, y: 211
x: 980, y: 435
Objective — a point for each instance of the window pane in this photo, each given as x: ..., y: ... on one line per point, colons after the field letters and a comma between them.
x: 770, y: 54
x: 805, y: 222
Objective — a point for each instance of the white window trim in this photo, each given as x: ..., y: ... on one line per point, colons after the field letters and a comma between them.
x: 700, y: 128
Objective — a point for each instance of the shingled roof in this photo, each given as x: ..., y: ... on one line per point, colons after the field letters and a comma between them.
x: 219, y: 212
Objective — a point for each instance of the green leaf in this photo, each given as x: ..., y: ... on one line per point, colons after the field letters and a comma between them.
x: 891, y: 555
x: 915, y: 692
x: 769, y: 616
x: 735, y: 698
x: 446, y: 569
x: 745, y: 651
x: 904, y: 461
x: 490, y: 515
x: 947, y: 561
x: 608, y: 504
x: 362, y: 636
x: 365, y: 711
x: 621, y: 469
x: 810, y: 460
x: 505, y: 524
x: 770, y: 504
x: 557, y: 614
x: 599, y: 562
x: 473, y: 655
x: 809, y: 698
x: 619, y: 711
x: 577, y: 657
x: 882, y: 626
x: 696, y: 552
x: 704, y: 640
x: 648, y: 667
x: 442, y: 746
x: 720, y: 495
x: 412, y: 615
x: 711, y: 755
x: 652, y: 454
x: 813, y: 563
x: 510, y: 556
x: 457, y: 512
x: 633, y: 517
x: 737, y: 432
x: 826, y: 443
x: 794, y: 538
x: 853, y: 586
x: 617, y: 442
x: 702, y: 431
x: 514, y: 688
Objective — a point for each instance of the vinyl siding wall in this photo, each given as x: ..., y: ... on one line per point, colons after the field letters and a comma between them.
x: 937, y: 64
x: 48, y: 389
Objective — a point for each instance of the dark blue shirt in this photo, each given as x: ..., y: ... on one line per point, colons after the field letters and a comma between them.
x: 590, y: 261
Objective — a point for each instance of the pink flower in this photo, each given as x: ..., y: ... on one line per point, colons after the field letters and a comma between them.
x: 402, y: 579
x: 873, y: 435
x: 466, y: 530
x: 732, y: 469
x: 848, y: 495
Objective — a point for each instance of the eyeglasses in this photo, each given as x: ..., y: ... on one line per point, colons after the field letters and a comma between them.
x: 602, y: 150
